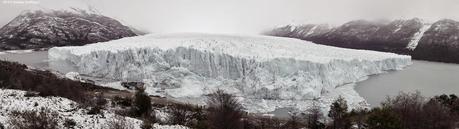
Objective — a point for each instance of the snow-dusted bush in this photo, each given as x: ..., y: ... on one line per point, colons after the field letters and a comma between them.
x: 42, y: 119
x: 119, y: 122
x: 181, y: 114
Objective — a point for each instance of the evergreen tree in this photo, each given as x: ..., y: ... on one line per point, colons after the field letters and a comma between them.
x: 338, y: 112
x: 142, y: 103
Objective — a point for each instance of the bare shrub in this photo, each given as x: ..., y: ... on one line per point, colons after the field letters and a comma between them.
x: 18, y: 76
x: 437, y: 116
x: 408, y: 106
x: 315, y: 117
x: 451, y: 101
x: 69, y: 123
x: 189, y: 115
x: 148, y: 120
x: 200, y: 120
x: 43, y: 119
x: 118, y: 122
x: 295, y: 122
x: 415, y: 112
x: 31, y: 94
x: 225, y: 112
x: 359, y: 116
x: 181, y: 114
x: 97, y: 103
x: 263, y: 122
x: 122, y: 101
x: 383, y: 118
x: 147, y: 124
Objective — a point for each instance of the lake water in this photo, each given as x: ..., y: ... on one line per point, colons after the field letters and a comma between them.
x: 37, y: 59
x: 429, y: 78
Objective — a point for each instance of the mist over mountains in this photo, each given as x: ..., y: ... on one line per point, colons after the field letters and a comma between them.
x: 244, y: 16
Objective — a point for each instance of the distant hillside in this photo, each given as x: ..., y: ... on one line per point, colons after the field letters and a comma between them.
x: 424, y: 41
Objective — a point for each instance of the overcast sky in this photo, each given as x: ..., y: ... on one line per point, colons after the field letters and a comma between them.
x: 242, y: 16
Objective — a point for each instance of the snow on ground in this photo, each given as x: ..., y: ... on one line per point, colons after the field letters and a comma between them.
x: 417, y: 36
x: 265, y: 72
x: 14, y: 100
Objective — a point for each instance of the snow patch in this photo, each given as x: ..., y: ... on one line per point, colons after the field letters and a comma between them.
x: 17, y: 51
x: 399, y: 27
x: 14, y: 100
x: 417, y: 37
x: 311, y: 31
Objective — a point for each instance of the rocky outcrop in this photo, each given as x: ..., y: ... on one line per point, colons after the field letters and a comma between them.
x: 44, y: 29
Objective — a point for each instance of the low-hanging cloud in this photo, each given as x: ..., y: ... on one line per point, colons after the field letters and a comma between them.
x: 245, y: 16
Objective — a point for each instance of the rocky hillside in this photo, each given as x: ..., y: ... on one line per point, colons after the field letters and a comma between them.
x: 424, y: 41
x: 440, y: 42
x: 44, y: 29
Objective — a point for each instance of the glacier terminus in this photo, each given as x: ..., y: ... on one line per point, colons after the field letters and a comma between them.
x: 266, y: 73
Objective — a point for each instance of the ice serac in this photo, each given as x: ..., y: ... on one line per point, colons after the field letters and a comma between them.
x: 267, y: 72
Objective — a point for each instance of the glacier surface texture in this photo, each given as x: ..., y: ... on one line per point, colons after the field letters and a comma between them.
x: 265, y: 72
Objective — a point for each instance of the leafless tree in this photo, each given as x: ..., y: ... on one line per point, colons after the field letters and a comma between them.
x: 409, y: 107
x: 315, y: 117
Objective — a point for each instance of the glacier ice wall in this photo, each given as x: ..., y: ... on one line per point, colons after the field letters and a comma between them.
x: 276, y: 70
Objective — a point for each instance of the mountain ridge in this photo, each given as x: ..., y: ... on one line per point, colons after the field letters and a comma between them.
x: 422, y: 40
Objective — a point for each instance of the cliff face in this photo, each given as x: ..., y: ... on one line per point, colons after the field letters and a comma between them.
x: 39, y: 29
x: 424, y: 41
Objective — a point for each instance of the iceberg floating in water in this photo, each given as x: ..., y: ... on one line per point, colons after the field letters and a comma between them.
x: 266, y: 72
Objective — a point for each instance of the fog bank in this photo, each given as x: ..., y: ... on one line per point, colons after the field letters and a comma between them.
x: 243, y: 16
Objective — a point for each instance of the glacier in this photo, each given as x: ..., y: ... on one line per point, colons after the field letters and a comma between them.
x: 266, y: 73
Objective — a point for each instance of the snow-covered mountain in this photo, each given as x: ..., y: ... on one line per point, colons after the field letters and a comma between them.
x: 266, y: 72
x: 440, y: 42
x: 423, y: 40
x: 44, y: 29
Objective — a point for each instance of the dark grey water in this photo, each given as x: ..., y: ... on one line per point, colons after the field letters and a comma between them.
x: 429, y: 78
x: 282, y: 112
x: 37, y: 59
